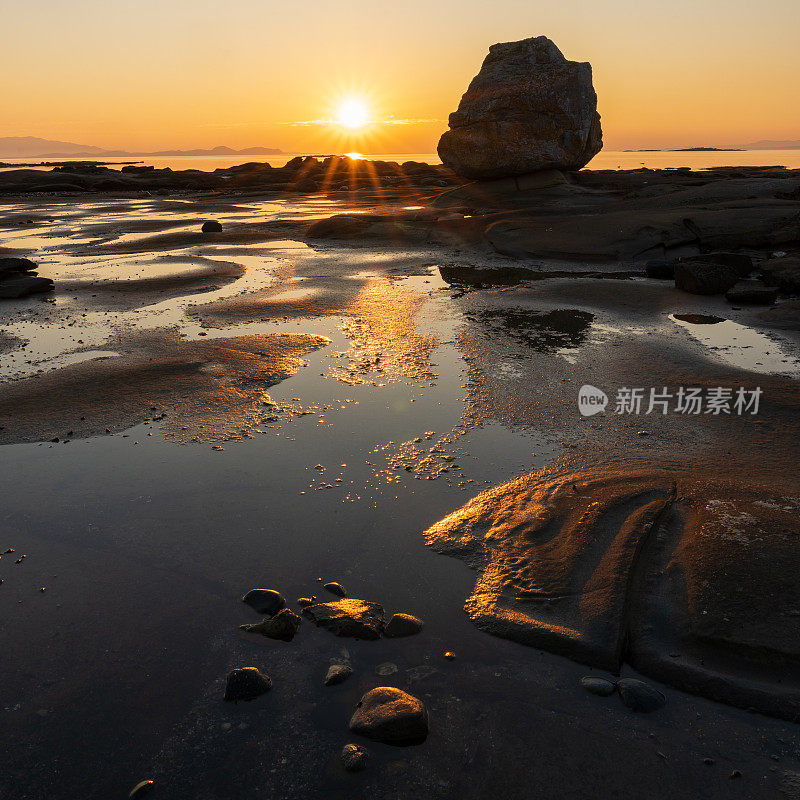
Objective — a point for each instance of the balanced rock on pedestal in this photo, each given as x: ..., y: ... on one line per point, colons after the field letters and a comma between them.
x: 527, y: 109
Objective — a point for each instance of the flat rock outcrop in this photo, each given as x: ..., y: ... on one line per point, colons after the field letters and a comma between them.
x: 348, y: 617
x: 527, y: 109
x: 692, y: 583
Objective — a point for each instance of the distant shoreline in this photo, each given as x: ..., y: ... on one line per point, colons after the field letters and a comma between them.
x: 688, y: 150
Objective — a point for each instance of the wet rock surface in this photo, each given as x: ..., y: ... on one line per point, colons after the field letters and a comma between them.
x: 338, y: 673
x: 392, y: 716
x: 640, y: 696
x: 527, y: 109
x: 598, y: 686
x: 282, y: 626
x: 359, y: 619
x: 402, y: 625
x: 354, y: 758
x: 335, y: 588
x: 246, y: 683
x: 585, y: 565
x: 265, y: 601
x: 141, y: 789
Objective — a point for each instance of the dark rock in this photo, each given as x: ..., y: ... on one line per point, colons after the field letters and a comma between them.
x: 141, y: 789
x: 392, y: 716
x: 740, y: 263
x: 338, y: 673
x: 704, y: 278
x: 781, y: 272
x: 348, y: 617
x: 265, y: 601
x: 598, y: 686
x: 640, y: 696
x: 660, y: 270
x: 527, y: 109
x: 335, y: 588
x: 246, y: 683
x: 15, y: 265
x: 752, y: 293
x: 12, y: 288
x: 282, y: 626
x: 306, y: 601
x: 354, y: 758
x: 340, y: 226
x: 402, y: 625
x: 212, y: 226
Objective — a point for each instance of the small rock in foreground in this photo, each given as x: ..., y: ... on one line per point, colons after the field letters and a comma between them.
x: 598, y: 686
x: 282, y: 626
x: 335, y: 588
x: 338, y: 673
x: 212, y: 226
x: 640, y: 696
x: 402, y: 625
x: 246, y: 683
x: 265, y: 601
x: 392, y: 716
x: 348, y: 617
x: 141, y: 789
x: 354, y: 758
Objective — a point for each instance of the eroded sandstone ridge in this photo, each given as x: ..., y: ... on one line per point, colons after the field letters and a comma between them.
x: 691, y: 582
x: 527, y: 109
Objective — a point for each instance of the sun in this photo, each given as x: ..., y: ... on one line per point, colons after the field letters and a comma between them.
x: 352, y: 113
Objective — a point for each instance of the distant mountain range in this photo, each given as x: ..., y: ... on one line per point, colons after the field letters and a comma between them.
x: 33, y: 147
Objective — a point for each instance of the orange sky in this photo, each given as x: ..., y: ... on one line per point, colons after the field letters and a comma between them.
x: 194, y: 73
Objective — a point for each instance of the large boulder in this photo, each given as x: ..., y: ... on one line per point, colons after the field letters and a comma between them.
x: 527, y: 109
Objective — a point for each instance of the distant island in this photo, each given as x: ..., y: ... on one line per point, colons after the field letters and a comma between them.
x: 688, y: 150
x: 763, y: 144
x: 34, y: 147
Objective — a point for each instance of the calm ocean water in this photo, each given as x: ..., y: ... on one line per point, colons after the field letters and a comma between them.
x: 607, y: 159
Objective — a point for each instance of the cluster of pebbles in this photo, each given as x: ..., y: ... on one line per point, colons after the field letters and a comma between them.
x: 385, y: 714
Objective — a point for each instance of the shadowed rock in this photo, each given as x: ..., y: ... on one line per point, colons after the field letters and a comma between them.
x: 246, y: 683
x: 348, y: 617
x: 752, y: 293
x: 392, y: 716
x: 598, y: 686
x: 640, y: 696
x: 14, y: 287
x: 527, y: 109
x: 783, y: 273
x: 402, y: 625
x: 338, y: 673
x: 354, y: 758
x: 282, y: 626
x: 265, y: 601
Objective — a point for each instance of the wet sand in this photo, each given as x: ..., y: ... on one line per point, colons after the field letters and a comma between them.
x: 226, y: 368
